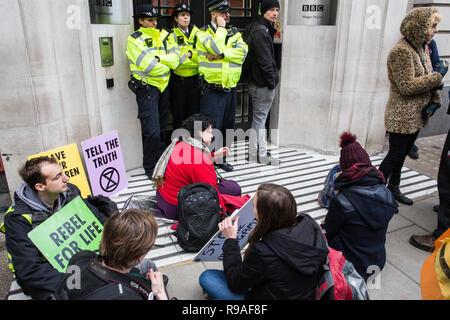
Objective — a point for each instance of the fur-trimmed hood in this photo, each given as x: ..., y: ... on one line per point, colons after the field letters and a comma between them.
x: 415, y: 25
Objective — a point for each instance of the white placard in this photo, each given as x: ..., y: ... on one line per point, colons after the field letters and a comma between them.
x: 212, y: 251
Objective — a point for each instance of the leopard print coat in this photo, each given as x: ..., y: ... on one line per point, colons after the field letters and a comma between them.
x: 412, y: 84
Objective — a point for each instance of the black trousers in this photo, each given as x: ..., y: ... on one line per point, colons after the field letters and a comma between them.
x: 184, y: 98
x: 154, y: 115
x: 444, y: 190
x: 220, y: 107
x: 399, y: 147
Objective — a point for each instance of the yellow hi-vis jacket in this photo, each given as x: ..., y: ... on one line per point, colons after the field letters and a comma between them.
x: 226, y: 71
x: 143, y: 47
x: 189, y: 66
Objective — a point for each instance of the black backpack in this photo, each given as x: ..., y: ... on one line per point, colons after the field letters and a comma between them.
x: 104, y: 205
x: 199, y: 215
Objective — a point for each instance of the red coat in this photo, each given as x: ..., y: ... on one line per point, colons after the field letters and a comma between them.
x: 187, y: 165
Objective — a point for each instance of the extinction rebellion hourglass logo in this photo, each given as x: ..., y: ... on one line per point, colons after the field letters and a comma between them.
x: 109, y: 179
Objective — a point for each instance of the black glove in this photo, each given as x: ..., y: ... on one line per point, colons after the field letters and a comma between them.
x: 428, y: 111
x: 443, y: 67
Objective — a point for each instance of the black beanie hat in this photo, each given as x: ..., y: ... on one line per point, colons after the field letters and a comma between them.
x: 269, y: 4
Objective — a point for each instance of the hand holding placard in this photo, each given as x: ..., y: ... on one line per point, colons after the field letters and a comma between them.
x: 229, y: 228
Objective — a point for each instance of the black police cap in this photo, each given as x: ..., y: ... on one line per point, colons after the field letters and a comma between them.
x: 146, y: 11
x: 180, y: 7
x: 218, y: 5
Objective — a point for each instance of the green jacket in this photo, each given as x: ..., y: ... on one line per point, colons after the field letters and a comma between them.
x: 227, y: 42
x: 177, y: 38
x: 143, y: 47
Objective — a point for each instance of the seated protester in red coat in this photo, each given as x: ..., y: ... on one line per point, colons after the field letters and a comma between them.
x: 187, y: 161
x: 359, y: 214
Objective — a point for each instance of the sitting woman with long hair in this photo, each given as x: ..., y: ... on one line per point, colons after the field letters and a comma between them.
x: 284, y: 258
x: 187, y: 161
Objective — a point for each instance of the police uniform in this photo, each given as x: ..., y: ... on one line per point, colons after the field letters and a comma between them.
x: 151, y: 59
x: 221, y: 76
x: 184, y: 86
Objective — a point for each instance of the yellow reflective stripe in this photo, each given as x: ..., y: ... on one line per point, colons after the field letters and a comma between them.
x: 10, y: 265
x: 2, y: 226
x: 11, y: 209
x: 28, y: 217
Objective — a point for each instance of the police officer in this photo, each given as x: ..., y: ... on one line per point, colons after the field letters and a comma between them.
x: 184, y: 86
x: 151, y: 59
x: 221, y: 53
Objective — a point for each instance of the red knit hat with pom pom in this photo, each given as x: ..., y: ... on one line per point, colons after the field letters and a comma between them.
x: 352, y: 152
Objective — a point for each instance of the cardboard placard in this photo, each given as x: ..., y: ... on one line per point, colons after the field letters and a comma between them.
x: 68, y: 231
x: 104, y: 164
x: 212, y: 251
x: 70, y: 161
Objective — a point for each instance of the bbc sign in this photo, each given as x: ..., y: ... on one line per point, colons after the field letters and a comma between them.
x: 313, y: 8
x: 311, y: 12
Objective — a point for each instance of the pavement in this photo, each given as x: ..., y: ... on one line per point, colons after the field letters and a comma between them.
x: 399, y: 280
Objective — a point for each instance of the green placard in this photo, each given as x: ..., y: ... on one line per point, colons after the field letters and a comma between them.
x: 68, y: 231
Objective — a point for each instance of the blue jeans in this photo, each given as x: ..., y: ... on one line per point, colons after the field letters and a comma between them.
x: 216, y: 286
x: 262, y: 99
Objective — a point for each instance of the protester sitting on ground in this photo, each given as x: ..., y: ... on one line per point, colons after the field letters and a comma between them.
x: 45, y: 190
x: 359, y: 213
x: 285, y: 255
x: 121, y: 271
x: 187, y: 161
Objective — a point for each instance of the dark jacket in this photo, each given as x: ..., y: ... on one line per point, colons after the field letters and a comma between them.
x: 260, y: 66
x: 35, y: 275
x: 285, y: 265
x: 92, y: 287
x: 434, y: 55
x: 357, y: 222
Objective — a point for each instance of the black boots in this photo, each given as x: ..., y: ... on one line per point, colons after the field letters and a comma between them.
x: 414, y: 152
x: 225, y: 166
x: 400, y: 197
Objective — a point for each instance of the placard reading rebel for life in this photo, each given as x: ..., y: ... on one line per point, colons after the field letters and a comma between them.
x: 70, y: 230
x: 104, y: 164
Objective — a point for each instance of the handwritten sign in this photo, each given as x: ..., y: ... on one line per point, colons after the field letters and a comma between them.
x: 212, y: 251
x: 70, y: 230
x: 70, y: 161
x: 104, y: 164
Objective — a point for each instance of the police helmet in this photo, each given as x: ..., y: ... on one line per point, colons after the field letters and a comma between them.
x: 218, y: 5
x: 146, y: 11
x: 180, y: 7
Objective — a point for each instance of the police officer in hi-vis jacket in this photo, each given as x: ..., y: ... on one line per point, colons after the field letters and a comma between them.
x: 184, y: 86
x: 221, y: 53
x: 151, y: 59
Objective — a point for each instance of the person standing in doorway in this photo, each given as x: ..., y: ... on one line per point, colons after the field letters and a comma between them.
x: 221, y: 53
x: 413, y: 95
x: 184, y: 86
x: 261, y: 72
x: 151, y: 60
